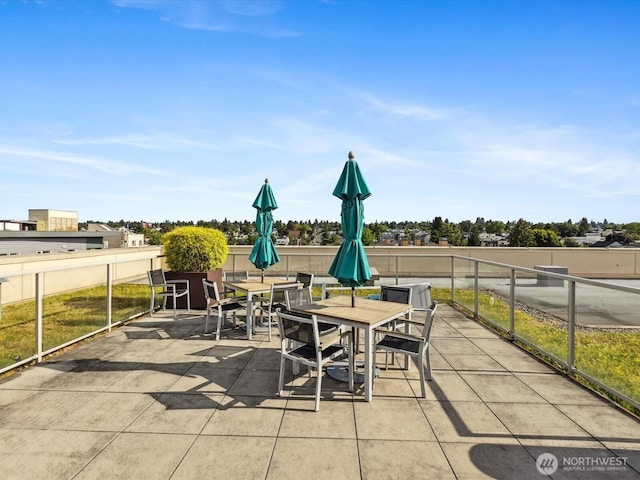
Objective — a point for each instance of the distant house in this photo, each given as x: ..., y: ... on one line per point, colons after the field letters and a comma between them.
x: 121, y: 238
x: 294, y: 237
x: 607, y: 244
x: 493, y: 240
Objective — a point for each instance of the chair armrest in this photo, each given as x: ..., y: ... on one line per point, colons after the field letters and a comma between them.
x: 165, y: 286
x: 404, y: 336
x: 178, y: 282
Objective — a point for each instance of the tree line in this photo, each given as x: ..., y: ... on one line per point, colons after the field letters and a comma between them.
x: 521, y: 233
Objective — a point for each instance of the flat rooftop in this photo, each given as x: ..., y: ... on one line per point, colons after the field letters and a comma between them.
x: 158, y: 399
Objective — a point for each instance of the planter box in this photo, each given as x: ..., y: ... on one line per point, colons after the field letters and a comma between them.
x: 196, y: 291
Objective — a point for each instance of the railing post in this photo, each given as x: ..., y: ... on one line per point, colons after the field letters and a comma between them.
x: 571, y: 338
x: 397, y: 260
x: 453, y: 269
x: 38, y: 332
x: 476, y: 288
x: 512, y: 304
x: 287, y: 266
x: 109, y: 294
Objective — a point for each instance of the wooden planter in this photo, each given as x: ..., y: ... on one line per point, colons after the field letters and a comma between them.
x: 196, y: 291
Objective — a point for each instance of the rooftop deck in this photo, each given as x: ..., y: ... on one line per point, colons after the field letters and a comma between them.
x: 158, y: 399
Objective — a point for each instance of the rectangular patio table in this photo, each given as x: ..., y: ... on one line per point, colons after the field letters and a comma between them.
x: 366, y: 314
x: 254, y: 286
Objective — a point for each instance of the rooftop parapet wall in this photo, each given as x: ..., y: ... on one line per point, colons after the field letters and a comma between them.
x: 63, y: 272
x: 581, y: 262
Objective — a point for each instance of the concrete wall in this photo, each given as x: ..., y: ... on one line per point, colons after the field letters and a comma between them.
x: 88, y: 268
x: 581, y: 262
x: 74, y: 270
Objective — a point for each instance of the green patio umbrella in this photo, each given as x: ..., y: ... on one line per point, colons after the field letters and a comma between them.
x: 350, y: 266
x: 264, y: 253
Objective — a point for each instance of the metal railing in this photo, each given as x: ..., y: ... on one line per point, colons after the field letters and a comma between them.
x: 562, y: 319
x: 68, y: 302
x: 558, y: 317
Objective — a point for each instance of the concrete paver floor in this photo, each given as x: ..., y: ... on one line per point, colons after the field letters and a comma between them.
x: 158, y: 399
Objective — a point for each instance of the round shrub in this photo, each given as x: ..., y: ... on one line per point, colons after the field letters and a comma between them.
x: 195, y: 249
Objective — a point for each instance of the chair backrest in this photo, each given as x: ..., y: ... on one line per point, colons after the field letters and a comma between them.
x: 156, y: 277
x: 277, y: 295
x: 297, y: 297
x: 428, y: 322
x: 306, y: 279
x: 235, y: 276
x: 210, y: 292
x: 420, y: 294
x: 299, y: 327
x: 395, y: 294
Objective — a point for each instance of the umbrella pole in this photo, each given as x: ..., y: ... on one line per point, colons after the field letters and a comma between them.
x: 353, y: 296
x: 262, y: 277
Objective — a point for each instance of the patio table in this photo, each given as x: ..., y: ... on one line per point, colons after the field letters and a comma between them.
x: 254, y: 286
x: 365, y: 314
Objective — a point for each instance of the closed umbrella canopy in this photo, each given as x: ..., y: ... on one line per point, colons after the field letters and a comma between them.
x: 350, y: 265
x: 264, y: 253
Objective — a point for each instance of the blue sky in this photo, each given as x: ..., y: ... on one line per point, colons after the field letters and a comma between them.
x: 178, y: 110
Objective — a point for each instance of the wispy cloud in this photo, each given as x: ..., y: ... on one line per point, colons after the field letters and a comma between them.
x: 148, y: 142
x: 416, y: 111
x: 252, y: 17
x: 106, y: 166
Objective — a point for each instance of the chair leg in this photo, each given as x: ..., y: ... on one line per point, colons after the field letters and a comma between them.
x: 318, y: 387
x: 206, y: 322
x: 421, y: 368
x: 281, y: 378
x: 428, y: 355
x: 175, y: 311
x: 219, y: 327
x: 152, y: 303
x: 352, y: 363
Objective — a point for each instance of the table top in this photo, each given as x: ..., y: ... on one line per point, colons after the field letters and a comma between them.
x: 255, y: 285
x: 366, y: 312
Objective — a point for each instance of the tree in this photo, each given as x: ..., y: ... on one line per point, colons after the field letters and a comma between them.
x: 570, y: 242
x: 621, y: 237
x: 368, y: 238
x: 474, y: 237
x: 377, y: 229
x: 155, y: 237
x: 521, y: 235
x: 633, y: 230
x: 583, y: 227
x: 195, y: 249
x: 452, y: 233
x: 545, y: 237
x: 495, y: 226
x: 567, y: 229
x: 465, y: 226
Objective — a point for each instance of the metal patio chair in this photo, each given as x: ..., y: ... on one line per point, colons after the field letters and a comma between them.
x: 161, y: 287
x: 301, y: 343
x: 411, y: 345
